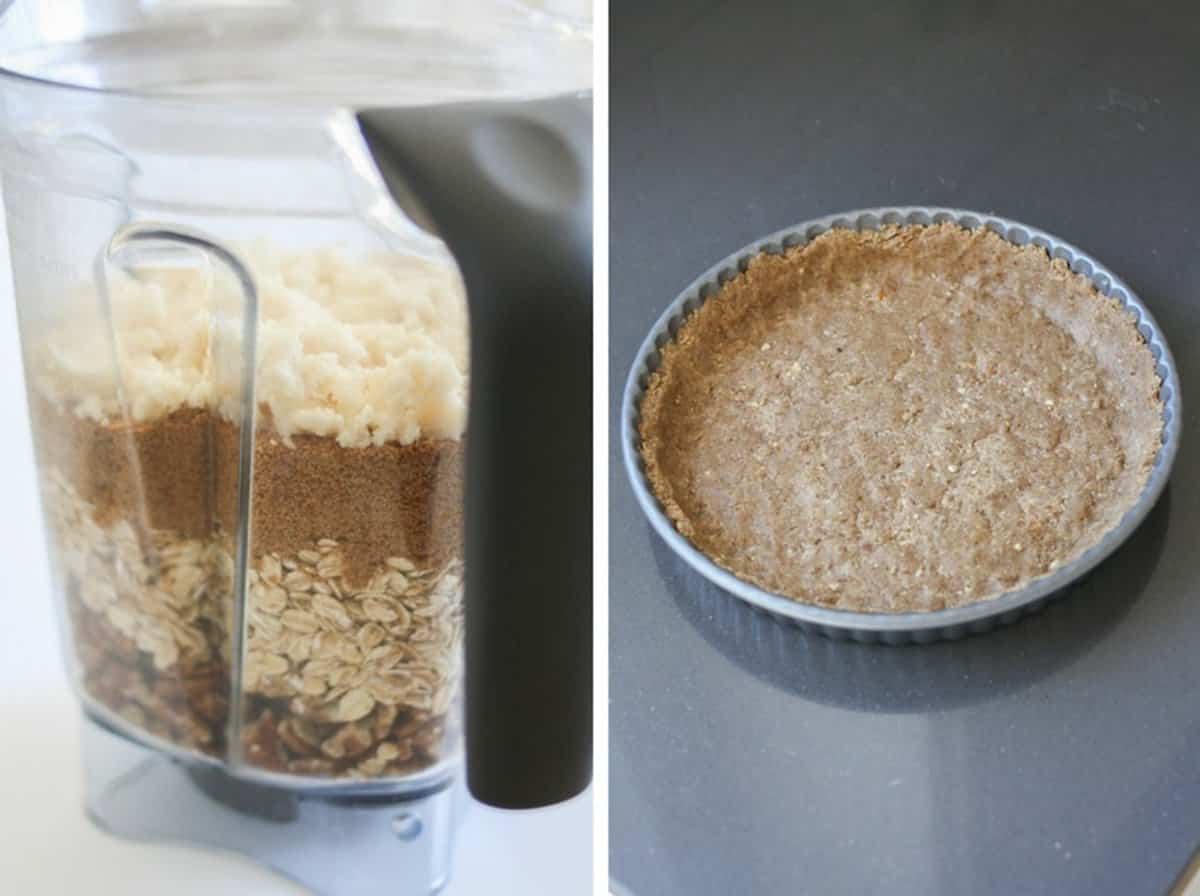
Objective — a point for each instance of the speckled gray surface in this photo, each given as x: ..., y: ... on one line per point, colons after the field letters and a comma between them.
x: 1060, y: 755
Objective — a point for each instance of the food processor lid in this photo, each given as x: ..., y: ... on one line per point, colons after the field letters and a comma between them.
x: 299, y: 54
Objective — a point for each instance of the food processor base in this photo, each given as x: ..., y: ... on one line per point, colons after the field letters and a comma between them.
x: 335, y: 845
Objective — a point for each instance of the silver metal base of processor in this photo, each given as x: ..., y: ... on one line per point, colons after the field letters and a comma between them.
x: 335, y: 845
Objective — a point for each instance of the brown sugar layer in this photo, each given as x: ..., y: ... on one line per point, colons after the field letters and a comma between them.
x: 180, y: 473
x: 163, y: 475
x: 901, y: 420
x: 377, y: 501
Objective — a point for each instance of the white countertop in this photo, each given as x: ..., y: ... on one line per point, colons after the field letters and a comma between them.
x: 48, y: 848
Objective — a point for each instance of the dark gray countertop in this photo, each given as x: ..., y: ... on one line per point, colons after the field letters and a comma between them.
x: 1058, y: 756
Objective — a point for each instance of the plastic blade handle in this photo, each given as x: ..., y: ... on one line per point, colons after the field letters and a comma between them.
x: 508, y: 187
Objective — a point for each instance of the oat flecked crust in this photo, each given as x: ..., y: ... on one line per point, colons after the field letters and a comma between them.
x: 901, y: 420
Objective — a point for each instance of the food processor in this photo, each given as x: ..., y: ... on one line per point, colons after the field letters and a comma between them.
x: 270, y: 260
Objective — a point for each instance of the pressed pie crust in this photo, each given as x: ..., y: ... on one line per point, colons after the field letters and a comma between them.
x: 901, y: 420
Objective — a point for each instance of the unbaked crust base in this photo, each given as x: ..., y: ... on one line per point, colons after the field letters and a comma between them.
x: 901, y: 420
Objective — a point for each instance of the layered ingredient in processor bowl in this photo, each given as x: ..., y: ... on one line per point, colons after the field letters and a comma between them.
x: 353, y: 615
x: 340, y: 517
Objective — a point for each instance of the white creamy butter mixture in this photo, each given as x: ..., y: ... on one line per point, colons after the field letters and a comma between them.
x: 364, y: 349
